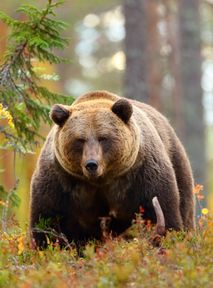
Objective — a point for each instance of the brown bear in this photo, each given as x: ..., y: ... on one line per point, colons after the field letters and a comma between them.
x: 105, y: 157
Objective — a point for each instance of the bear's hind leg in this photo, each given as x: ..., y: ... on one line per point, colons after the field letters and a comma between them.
x: 185, y: 184
x: 160, y: 181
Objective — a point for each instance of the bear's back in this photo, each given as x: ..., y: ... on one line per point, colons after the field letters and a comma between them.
x: 159, y: 122
x: 97, y: 96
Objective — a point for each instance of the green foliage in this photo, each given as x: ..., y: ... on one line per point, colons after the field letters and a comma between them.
x: 4, y: 197
x: 183, y: 260
x: 24, y: 102
x: 32, y: 40
x: 43, y: 223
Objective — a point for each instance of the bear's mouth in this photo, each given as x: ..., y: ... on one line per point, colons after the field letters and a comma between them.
x: 92, y: 174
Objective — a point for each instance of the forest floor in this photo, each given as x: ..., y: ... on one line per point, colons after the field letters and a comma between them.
x: 182, y: 260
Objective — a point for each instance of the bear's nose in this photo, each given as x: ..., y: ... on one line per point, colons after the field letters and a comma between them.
x: 91, y: 165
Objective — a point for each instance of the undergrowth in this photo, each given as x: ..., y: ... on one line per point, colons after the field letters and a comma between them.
x: 183, y: 260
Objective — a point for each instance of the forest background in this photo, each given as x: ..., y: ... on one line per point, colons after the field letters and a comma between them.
x: 159, y: 52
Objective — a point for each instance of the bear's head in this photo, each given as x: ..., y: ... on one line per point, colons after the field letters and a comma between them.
x: 96, y: 138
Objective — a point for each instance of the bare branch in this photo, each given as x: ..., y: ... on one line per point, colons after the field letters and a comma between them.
x: 160, y: 226
x: 160, y: 229
x: 104, y: 225
x: 53, y: 233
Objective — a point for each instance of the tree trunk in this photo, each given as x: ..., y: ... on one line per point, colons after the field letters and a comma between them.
x: 135, y: 82
x: 154, y: 68
x: 174, y: 65
x: 190, y: 77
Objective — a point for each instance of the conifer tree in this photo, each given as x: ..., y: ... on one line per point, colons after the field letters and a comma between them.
x: 31, y: 41
x: 24, y: 102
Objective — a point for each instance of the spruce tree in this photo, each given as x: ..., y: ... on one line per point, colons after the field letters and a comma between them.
x: 24, y: 102
x: 31, y: 41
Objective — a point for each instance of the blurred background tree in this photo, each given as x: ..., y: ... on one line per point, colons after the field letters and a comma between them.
x: 160, y: 52
x: 144, y: 44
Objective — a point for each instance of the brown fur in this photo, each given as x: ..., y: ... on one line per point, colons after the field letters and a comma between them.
x: 138, y: 156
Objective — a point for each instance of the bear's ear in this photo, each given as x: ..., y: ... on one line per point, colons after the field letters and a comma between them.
x: 123, y: 109
x: 59, y: 114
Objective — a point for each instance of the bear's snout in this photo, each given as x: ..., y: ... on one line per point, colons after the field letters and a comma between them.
x: 91, y: 166
x: 92, y: 169
x: 92, y: 159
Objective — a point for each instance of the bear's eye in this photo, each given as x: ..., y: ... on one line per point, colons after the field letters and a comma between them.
x: 102, y: 139
x: 80, y: 141
x: 77, y: 145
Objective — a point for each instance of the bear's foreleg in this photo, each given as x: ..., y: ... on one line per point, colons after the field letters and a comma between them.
x: 185, y: 184
x: 45, y: 210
